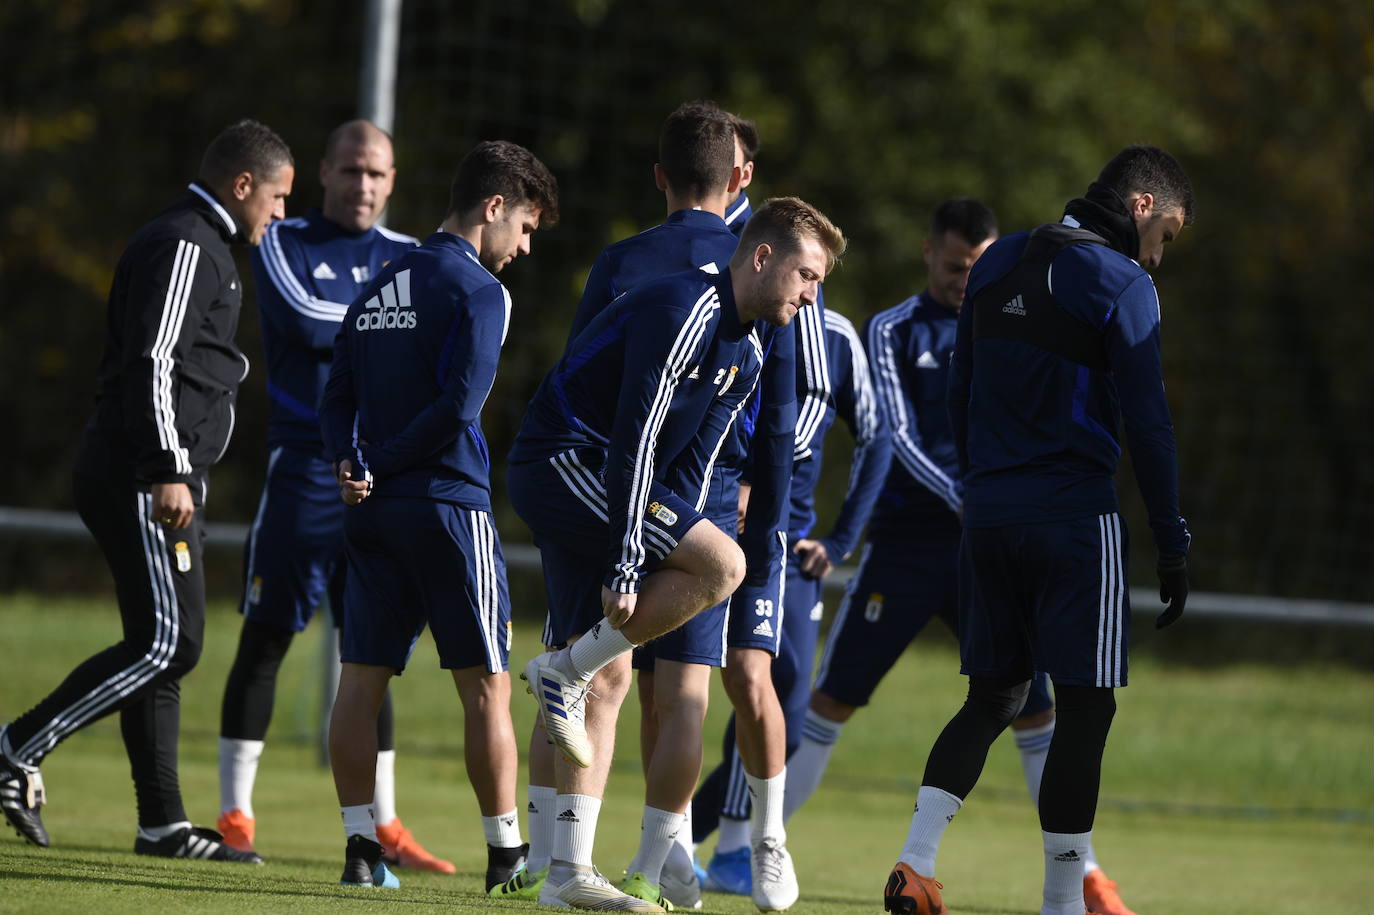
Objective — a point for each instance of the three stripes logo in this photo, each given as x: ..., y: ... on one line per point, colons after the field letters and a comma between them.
x: 390, y: 307
x: 1016, y: 306
x: 567, y: 816
x: 1068, y: 857
x: 553, y: 700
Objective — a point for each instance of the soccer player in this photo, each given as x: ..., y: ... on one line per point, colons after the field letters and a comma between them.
x: 723, y: 797
x: 633, y: 393
x: 164, y: 413
x: 413, y: 364
x: 306, y: 272
x: 695, y: 174
x: 1058, y: 344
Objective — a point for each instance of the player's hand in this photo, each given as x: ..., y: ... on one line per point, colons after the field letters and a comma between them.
x: 743, y: 508
x: 814, y: 558
x: 350, y: 490
x: 617, y: 607
x: 172, y: 504
x: 1173, y: 587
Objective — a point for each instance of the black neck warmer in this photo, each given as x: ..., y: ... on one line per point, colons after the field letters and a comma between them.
x: 1102, y: 210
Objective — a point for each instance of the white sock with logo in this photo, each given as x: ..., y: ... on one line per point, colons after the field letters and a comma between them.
x: 238, y: 770
x: 359, y: 821
x: 935, y: 809
x: 600, y: 646
x: 806, y: 766
x: 574, y: 828
x: 731, y: 834
x: 659, y: 831
x: 502, y: 830
x: 765, y: 816
x: 541, y: 813
x: 384, y: 788
x: 1064, y: 872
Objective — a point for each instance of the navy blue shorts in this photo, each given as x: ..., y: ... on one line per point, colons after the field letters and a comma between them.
x: 563, y: 500
x: 1049, y: 597
x: 756, y: 613
x: 295, y: 550
x: 797, y: 652
x: 418, y: 562
x: 700, y: 640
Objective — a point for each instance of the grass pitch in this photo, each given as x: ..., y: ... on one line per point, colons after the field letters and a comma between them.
x: 1225, y: 790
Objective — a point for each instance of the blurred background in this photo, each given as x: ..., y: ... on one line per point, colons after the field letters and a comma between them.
x: 874, y: 111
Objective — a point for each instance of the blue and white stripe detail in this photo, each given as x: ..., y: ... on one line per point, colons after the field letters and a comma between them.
x: 487, y: 581
x: 865, y: 401
x: 899, y: 413
x: 166, y: 632
x: 288, y: 285
x: 591, y: 492
x: 705, y: 486
x: 680, y: 357
x: 815, y: 400
x: 1111, y: 602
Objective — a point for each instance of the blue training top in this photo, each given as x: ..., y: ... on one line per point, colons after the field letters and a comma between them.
x: 306, y: 271
x: 635, y: 389
x: 1037, y: 433
x: 413, y: 364
x: 854, y: 401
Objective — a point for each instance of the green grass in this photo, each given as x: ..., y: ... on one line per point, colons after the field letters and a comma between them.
x: 1224, y: 791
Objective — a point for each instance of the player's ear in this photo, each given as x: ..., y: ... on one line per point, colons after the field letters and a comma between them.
x: 660, y: 178
x: 736, y: 176
x: 761, y: 255
x: 241, y: 185
x: 492, y: 208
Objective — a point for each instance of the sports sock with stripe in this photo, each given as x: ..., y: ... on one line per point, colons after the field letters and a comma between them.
x: 806, y: 766
x: 659, y: 831
x: 935, y: 809
x: 1034, y: 744
x: 238, y: 770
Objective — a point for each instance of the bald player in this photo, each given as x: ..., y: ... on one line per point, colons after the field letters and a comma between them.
x: 307, y: 272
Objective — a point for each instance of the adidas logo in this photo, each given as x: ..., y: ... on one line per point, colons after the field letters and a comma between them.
x: 507, y: 821
x: 927, y: 361
x: 323, y: 272
x: 531, y: 808
x: 567, y: 816
x: 1015, y: 307
x: 764, y: 628
x: 1068, y: 857
x: 390, y: 307
x: 596, y: 632
x: 695, y: 374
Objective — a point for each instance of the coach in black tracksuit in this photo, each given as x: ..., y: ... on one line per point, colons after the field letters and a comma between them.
x: 164, y: 414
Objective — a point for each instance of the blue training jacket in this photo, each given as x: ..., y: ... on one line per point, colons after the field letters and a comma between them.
x: 1037, y: 433
x: 413, y: 364
x: 854, y: 401
x: 306, y: 272
x: 910, y: 347
x: 635, y: 389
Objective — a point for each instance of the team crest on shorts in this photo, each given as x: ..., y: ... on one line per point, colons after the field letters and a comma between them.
x: 874, y: 608
x: 510, y: 632
x: 255, y: 590
x: 663, y: 513
x: 183, y: 554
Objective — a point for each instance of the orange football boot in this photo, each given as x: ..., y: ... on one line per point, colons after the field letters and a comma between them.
x: 237, y: 829
x: 908, y: 893
x: 1099, y: 894
x: 401, y: 849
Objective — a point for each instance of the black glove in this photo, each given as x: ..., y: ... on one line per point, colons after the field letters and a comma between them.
x: 1173, y: 587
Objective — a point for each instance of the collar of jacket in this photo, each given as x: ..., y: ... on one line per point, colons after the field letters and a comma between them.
x: 208, y: 200
x: 1102, y: 210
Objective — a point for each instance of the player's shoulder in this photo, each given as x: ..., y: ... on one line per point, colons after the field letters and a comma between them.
x: 893, y: 319
x: 1095, y: 271
x: 399, y: 238
x: 838, y: 324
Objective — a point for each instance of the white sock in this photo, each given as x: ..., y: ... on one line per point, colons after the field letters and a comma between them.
x: 502, y: 830
x: 1034, y: 744
x: 574, y: 828
x: 599, y: 647
x: 657, y: 835
x: 935, y: 809
x: 541, y: 813
x: 161, y: 832
x: 807, y: 765
x: 731, y: 834
x: 359, y: 821
x: 238, y: 770
x: 384, y: 789
x: 1089, y: 856
x: 766, y: 797
x: 1064, y: 872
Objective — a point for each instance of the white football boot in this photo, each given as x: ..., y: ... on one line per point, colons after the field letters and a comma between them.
x: 775, y: 880
x: 580, y: 887
x: 562, y: 708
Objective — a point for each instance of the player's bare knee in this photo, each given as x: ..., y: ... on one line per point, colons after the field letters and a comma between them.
x: 830, y: 708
